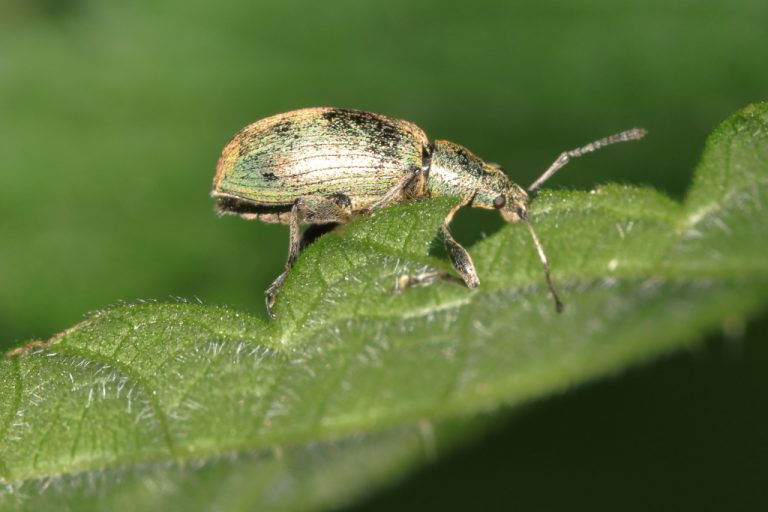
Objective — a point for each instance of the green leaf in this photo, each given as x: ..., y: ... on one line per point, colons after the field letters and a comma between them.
x: 185, y: 406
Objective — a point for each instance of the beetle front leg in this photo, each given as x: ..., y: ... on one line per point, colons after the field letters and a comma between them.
x: 460, y: 259
x: 294, y: 247
x: 459, y: 256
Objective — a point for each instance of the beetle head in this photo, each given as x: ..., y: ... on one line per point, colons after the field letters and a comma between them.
x: 512, y: 203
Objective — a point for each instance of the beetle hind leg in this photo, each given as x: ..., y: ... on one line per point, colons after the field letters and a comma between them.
x: 294, y: 247
x: 324, y: 214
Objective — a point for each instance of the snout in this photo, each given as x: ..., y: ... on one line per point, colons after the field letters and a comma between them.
x: 514, y: 214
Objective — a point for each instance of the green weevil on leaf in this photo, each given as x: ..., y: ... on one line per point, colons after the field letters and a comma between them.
x: 323, y: 166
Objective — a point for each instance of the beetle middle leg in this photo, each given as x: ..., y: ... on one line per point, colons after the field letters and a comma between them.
x: 459, y: 256
x: 402, y: 185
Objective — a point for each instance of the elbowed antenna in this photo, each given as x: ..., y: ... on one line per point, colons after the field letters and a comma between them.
x: 565, y: 157
x: 545, y: 263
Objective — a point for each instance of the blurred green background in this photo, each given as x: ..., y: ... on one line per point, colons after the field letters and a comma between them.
x: 112, y: 115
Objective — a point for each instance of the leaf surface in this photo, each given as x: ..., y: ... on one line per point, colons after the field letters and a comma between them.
x: 187, y: 406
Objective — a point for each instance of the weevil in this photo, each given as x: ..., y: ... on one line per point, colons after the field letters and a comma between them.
x: 324, y: 166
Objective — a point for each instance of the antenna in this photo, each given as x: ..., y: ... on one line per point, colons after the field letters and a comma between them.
x: 545, y: 263
x: 565, y: 157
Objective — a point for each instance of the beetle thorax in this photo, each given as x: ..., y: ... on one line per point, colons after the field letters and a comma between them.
x: 456, y: 171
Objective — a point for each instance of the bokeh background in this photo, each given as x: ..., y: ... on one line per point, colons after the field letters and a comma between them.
x: 112, y: 115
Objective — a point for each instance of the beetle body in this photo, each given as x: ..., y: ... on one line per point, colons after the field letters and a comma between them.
x: 349, y: 159
x: 327, y: 165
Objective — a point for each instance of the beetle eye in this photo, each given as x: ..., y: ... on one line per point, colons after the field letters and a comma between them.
x: 499, y: 202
